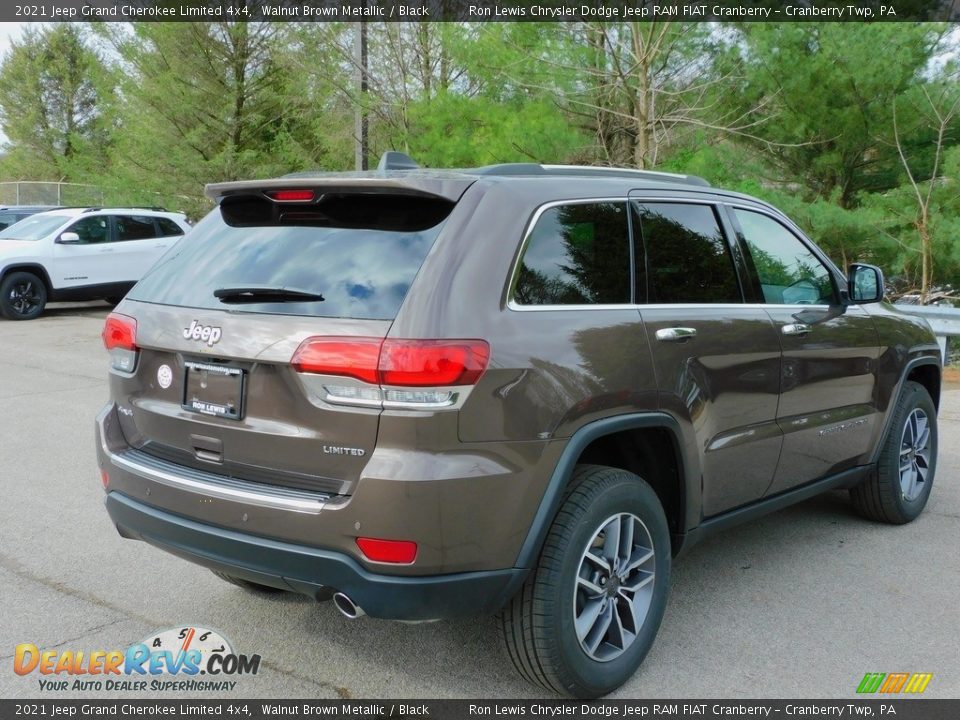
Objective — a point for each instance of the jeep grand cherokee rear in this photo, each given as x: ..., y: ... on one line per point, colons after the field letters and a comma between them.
x: 517, y: 389
x: 266, y: 422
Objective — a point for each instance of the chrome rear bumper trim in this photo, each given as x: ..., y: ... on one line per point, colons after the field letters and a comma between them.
x: 195, y: 481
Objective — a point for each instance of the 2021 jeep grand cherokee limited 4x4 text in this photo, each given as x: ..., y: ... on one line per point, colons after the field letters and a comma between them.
x: 519, y: 389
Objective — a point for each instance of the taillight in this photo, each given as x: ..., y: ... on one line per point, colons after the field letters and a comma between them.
x: 432, y: 363
x: 395, y: 364
x: 120, y: 339
x: 355, y: 358
x: 401, y: 552
x: 119, y: 331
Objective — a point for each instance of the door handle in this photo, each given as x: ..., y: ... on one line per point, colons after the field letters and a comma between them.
x: 795, y: 329
x: 676, y: 334
x: 104, y: 250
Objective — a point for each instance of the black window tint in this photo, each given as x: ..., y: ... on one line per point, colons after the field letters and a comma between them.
x: 135, y: 227
x: 168, y: 227
x: 360, y: 272
x: 92, y: 230
x: 789, y: 273
x: 577, y: 255
x: 682, y: 256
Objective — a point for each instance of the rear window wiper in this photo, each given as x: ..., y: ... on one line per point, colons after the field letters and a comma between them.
x: 265, y: 294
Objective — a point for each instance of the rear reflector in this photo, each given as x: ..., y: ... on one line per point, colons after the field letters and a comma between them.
x: 388, y: 551
x: 119, y: 331
x: 104, y: 479
x: 402, y: 363
x: 291, y: 195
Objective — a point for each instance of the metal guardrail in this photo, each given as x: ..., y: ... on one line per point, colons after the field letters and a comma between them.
x: 944, y: 320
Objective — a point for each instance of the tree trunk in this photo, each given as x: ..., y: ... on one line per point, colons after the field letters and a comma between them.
x: 926, y: 256
x: 641, y: 104
x: 240, y: 60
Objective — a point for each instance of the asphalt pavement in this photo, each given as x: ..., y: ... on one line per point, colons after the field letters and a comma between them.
x: 799, y: 604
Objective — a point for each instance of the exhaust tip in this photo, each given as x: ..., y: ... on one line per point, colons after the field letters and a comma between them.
x: 347, y: 607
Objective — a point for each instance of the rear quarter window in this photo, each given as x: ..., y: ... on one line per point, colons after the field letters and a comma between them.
x: 168, y: 227
x: 577, y: 254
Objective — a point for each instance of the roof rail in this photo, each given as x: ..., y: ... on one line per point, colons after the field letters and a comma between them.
x: 588, y: 170
x: 393, y: 160
x: 154, y: 208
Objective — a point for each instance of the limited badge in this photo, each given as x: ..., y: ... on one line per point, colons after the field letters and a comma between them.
x: 165, y: 376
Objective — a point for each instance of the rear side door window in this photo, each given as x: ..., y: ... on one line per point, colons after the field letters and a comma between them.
x: 577, y: 254
x: 787, y: 270
x: 135, y: 227
x: 682, y: 255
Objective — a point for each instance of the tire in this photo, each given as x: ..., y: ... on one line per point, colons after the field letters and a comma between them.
x: 539, y: 627
x: 248, y: 585
x: 897, y: 492
x: 22, y: 296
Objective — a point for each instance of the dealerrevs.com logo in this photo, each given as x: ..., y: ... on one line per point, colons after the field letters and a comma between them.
x: 179, y: 659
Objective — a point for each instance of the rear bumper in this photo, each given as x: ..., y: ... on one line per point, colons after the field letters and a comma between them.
x: 468, y: 510
x: 312, y: 571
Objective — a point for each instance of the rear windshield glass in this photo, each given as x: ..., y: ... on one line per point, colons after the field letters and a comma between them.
x: 359, y: 272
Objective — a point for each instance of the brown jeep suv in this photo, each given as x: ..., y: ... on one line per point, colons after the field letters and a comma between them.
x: 520, y: 389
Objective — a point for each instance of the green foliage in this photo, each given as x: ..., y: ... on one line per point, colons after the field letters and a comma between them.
x: 206, y: 102
x: 800, y: 114
x: 821, y: 98
x: 451, y: 130
x: 53, y: 91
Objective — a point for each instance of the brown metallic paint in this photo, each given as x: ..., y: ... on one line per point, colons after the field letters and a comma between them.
x: 466, y: 485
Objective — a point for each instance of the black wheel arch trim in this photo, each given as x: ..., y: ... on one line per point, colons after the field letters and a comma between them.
x: 911, y: 365
x: 33, y: 268
x: 689, y: 470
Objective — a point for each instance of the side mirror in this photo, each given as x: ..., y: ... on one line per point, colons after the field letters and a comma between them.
x: 864, y: 284
x: 68, y: 238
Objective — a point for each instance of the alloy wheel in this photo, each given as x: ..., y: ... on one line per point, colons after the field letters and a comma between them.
x: 914, y: 454
x: 25, y: 297
x: 614, y: 587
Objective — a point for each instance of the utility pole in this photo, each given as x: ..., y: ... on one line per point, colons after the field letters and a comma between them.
x: 360, y: 112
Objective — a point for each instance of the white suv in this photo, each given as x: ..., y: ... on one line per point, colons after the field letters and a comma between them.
x: 80, y: 254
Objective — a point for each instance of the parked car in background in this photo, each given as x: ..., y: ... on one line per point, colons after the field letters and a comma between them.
x: 16, y: 213
x: 74, y: 254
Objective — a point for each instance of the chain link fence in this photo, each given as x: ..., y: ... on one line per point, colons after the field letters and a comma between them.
x: 49, y: 193
x: 29, y: 192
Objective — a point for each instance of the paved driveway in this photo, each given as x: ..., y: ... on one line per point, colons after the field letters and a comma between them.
x: 799, y: 604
